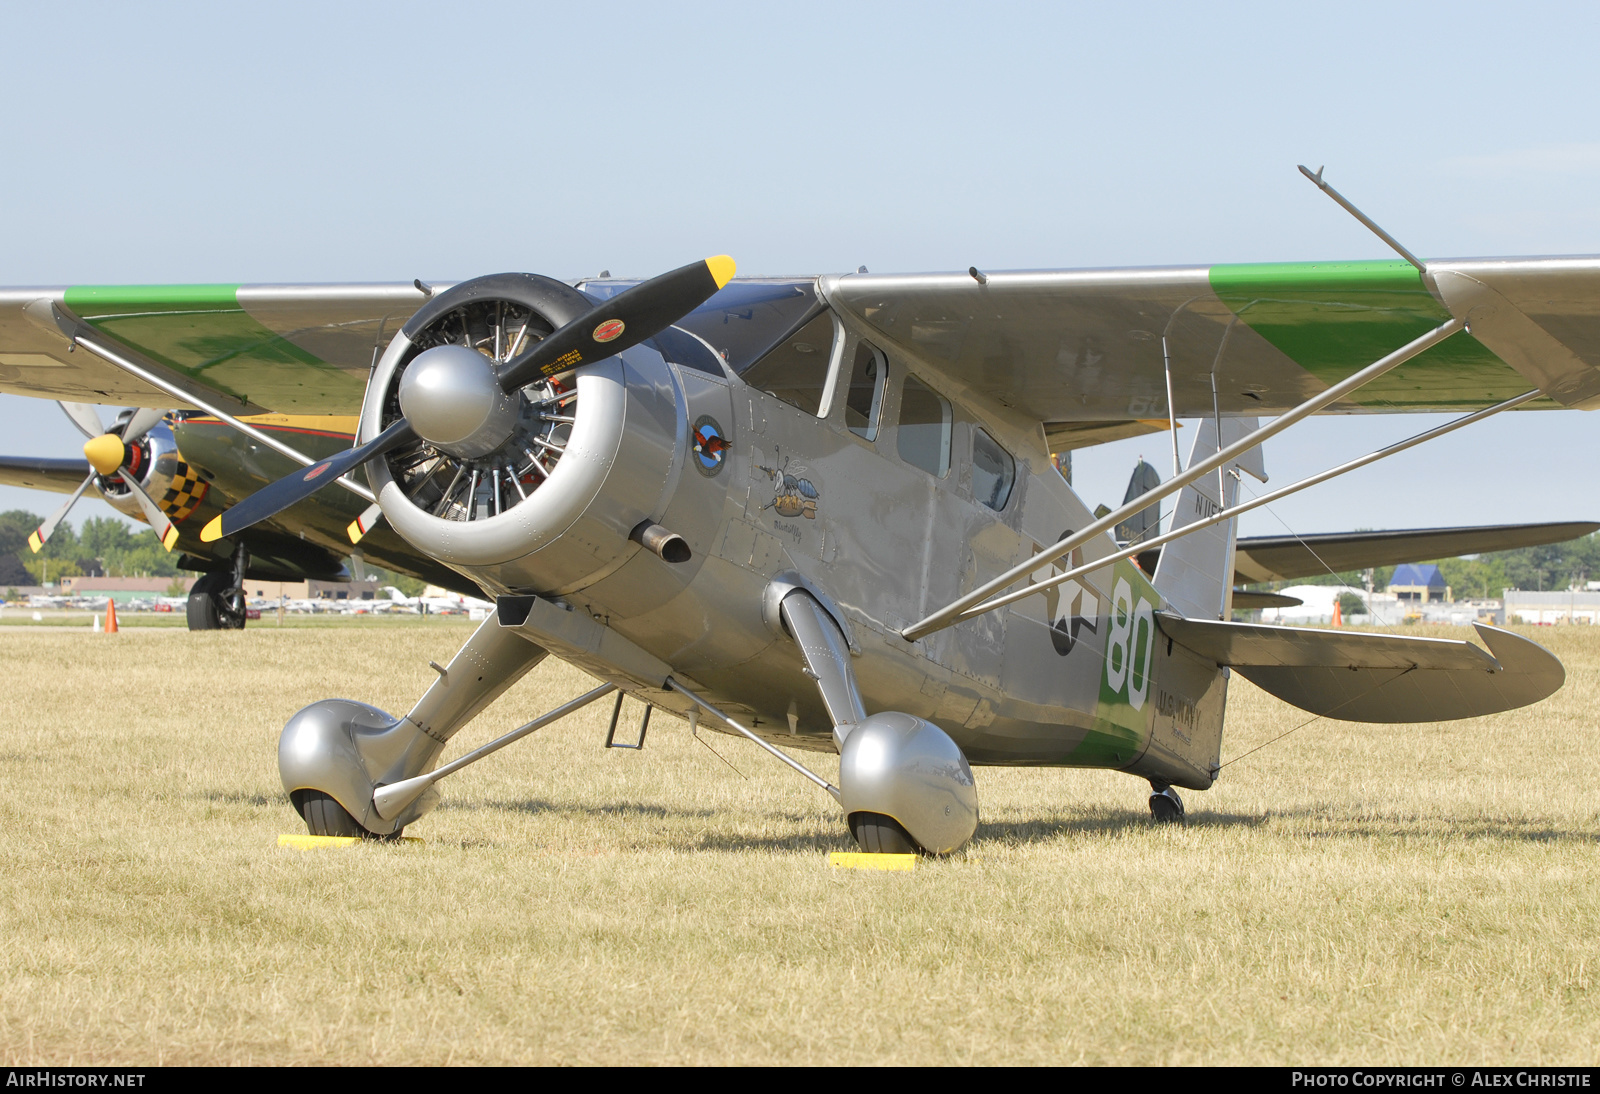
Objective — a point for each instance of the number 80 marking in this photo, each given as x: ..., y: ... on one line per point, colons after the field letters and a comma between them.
x: 1130, y: 645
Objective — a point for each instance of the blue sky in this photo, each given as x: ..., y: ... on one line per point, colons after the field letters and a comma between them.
x: 327, y: 142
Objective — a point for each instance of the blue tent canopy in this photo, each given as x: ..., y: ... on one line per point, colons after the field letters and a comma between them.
x: 1425, y: 574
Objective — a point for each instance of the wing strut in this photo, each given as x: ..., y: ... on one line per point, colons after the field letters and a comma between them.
x: 1265, y: 499
x: 952, y: 612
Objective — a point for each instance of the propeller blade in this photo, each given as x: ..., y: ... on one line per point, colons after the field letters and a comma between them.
x: 274, y: 499
x: 43, y: 532
x: 165, y: 532
x: 621, y: 322
x: 369, y: 518
x: 85, y: 417
x: 141, y: 423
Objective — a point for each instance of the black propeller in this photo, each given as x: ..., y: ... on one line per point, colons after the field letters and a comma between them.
x: 620, y: 323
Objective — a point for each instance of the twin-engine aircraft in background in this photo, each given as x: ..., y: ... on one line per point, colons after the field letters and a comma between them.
x: 822, y: 512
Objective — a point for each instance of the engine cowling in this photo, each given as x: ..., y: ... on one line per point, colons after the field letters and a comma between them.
x: 536, y: 490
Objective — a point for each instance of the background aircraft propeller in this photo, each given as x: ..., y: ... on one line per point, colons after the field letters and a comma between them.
x: 110, y: 452
x: 620, y: 323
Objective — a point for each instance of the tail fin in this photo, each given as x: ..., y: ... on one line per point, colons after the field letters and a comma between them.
x: 1195, y: 573
x: 1143, y: 524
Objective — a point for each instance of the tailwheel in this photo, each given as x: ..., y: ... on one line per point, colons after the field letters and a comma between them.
x: 1165, y: 805
x: 881, y: 835
x: 326, y: 817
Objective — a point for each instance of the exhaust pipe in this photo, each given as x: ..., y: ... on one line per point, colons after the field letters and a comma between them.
x: 669, y: 546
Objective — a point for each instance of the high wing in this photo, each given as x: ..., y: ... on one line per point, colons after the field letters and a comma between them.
x: 1279, y: 558
x: 302, y: 349
x: 39, y: 473
x: 1078, y: 350
x: 1081, y: 350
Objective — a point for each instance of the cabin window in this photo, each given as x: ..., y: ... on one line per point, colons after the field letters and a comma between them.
x: 863, y: 401
x: 994, y: 472
x: 923, y: 437
x: 796, y: 369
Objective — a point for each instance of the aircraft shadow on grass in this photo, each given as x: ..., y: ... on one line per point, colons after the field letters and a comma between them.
x: 1337, y: 825
x: 1044, y: 830
x: 1329, y: 824
x: 610, y: 809
x: 234, y: 797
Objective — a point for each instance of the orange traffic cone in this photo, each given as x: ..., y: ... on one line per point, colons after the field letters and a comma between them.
x: 1338, y: 617
x: 111, y: 617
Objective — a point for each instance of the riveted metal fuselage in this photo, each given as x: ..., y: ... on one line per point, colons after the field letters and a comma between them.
x: 1076, y: 676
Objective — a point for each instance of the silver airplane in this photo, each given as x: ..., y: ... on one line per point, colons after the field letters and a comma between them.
x: 822, y: 513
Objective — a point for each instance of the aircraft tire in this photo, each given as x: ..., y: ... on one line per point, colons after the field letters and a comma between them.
x: 1166, y: 808
x: 206, y: 609
x: 326, y: 817
x: 881, y: 835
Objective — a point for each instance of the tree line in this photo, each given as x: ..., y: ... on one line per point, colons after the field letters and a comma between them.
x: 101, y: 547
x: 107, y: 547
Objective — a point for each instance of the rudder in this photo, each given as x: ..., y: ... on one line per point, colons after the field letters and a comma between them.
x: 1195, y: 573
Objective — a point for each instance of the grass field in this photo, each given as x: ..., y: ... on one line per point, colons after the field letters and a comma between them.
x: 1355, y: 894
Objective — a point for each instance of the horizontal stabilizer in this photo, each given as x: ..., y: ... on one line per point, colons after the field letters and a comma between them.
x: 1278, y: 558
x: 40, y: 473
x: 1360, y: 677
x: 1246, y: 601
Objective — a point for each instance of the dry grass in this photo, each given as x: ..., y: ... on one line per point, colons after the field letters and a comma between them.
x: 1352, y: 894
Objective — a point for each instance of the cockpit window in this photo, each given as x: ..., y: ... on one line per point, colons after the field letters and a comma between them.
x: 923, y: 436
x: 993, y: 471
x: 796, y: 369
x: 863, y: 401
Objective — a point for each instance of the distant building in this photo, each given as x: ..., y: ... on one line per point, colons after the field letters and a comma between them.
x: 121, y: 589
x: 1419, y: 583
x: 312, y: 590
x: 1572, y: 606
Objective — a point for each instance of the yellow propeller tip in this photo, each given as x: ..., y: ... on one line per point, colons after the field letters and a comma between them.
x: 354, y: 531
x: 722, y: 268
x: 105, y: 453
x: 212, y: 531
x: 170, y: 538
x: 35, y: 543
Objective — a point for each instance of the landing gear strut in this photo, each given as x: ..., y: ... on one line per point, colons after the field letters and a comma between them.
x: 216, y: 603
x: 1165, y: 805
x: 904, y: 784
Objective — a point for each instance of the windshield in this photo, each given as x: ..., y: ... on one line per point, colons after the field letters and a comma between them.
x: 744, y: 320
